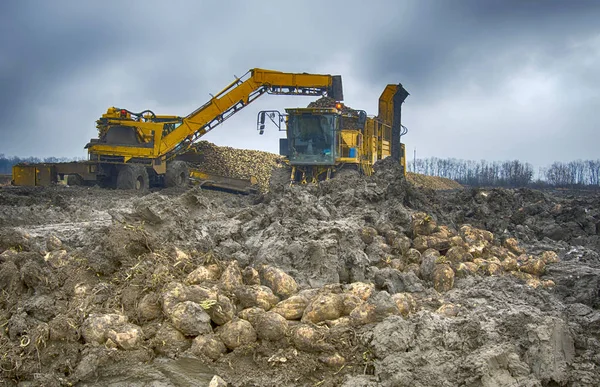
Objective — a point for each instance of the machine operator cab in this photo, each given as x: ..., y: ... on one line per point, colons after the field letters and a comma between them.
x: 314, y: 136
x: 311, y: 135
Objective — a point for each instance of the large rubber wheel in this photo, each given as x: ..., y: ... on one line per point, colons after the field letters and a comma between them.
x: 133, y: 177
x: 177, y: 174
x: 74, y: 180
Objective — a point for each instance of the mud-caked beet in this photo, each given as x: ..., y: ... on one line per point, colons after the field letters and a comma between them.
x: 477, y: 240
x: 231, y: 278
x: 509, y: 264
x: 414, y: 268
x: 398, y: 264
x: 149, y: 308
x: 399, y: 242
x: 96, y: 327
x: 428, y: 261
x: 237, y: 333
x: 203, y: 274
x: 335, y: 360
x: 169, y: 341
x: 488, y: 267
x: 368, y: 234
x: 533, y: 266
x: 190, y: 319
x: 328, y: 306
x: 465, y: 269
x: 309, y: 338
x: 412, y: 256
x: 457, y: 254
x: 443, y: 278
x: 424, y: 242
x: 363, y: 314
x: 251, y: 314
x: 384, y: 304
x: 512, y: 245
x: 291, y: 308
x: 271, y: 326
x: 449, y: 310
x: 405, y: 303
x: 57, y: 258
x: 209, y: 345
x: 53, y: 243
x: 549, y: 257
x: 423, y: 224
x: 221, y: 309
x: 360, y: 289
x: 126, y: 336
x: 349, y: 302
x: 394, y: 281
x: 378, y: 250
x: 250, y: 276
x: 256, y: 295
x: 176, y: 292
x: 282, y: 284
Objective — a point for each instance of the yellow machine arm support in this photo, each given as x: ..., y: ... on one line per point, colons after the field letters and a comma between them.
x: 386, y: 105
x: 242, y: 92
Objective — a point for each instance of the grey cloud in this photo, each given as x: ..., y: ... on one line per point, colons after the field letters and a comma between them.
x: 465, y: 64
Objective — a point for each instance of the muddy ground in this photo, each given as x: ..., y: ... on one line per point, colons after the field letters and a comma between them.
x: 357, y: 282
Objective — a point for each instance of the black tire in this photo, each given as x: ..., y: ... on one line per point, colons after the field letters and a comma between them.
x: 133, y: 177
x: 74, y: 180
x: 177, y: 174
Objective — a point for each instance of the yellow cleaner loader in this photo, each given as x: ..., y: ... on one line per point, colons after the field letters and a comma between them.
x: 325, y: 139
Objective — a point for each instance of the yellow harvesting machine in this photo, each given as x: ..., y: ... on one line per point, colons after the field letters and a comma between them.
x: 323, y: 140
x: 136, y: 150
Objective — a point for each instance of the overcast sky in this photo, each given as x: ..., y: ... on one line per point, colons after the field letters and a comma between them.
x: 493, y: 79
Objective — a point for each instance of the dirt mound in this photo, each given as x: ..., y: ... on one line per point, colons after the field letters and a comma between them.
x: 358, y: 281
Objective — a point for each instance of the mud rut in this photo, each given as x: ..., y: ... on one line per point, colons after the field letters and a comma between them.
x: 354, y: 283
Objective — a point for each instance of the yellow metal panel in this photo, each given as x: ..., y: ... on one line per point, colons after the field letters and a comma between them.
x: 386, y: 104
x: 44, y: 175
x: 350, y: 160
x: 349, y: 138
x: 126, y: 151
x: 24, y: 175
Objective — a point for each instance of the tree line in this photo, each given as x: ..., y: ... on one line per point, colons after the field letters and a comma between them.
x: 6, y: 163
x: 579, y: 173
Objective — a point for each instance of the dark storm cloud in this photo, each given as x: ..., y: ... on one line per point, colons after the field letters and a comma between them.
x: 496, y: 79
x: 44, y: 43
x: 498, y: 65
x: 456, y: 41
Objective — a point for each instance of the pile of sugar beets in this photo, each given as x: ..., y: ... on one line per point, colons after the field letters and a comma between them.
x: 223, y: 306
